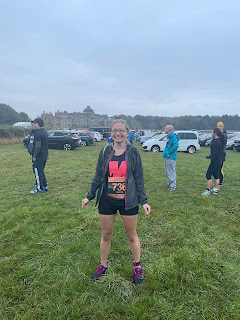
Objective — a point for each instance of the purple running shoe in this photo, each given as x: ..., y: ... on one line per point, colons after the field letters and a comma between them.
x: 99, y: 272
x: 138, y: 274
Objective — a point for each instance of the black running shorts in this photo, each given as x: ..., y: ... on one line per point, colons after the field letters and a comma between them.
x: 106, y: 207
x: 213, y: 170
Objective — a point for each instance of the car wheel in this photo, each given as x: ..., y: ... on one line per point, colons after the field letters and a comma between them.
x: 191, y: 149
x: 155, y: 148
x: 83, y: 143
x: 67, y: 146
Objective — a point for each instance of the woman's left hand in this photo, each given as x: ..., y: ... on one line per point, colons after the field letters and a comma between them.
x: 147, y: 209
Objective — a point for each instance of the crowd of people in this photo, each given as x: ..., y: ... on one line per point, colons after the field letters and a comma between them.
x: 119, y: 181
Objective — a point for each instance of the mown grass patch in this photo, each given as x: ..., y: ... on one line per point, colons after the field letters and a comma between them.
x: 50, y: 245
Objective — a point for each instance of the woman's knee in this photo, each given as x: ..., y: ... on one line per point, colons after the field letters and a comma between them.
x: 132, y: 237
x: 107, y: 236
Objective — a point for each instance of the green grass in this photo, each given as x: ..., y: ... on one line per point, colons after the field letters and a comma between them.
x: 49, y: 245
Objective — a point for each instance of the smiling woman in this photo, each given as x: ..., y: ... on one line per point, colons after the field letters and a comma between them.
x: 119, y: 180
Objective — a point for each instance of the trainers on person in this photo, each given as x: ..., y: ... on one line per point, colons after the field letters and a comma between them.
x: 138, y: 274
x: 101, y: 270
x: 171, y: 189
x: 206, y: 193
x: 214, y: 191
x: 36, y: 191
x: 45, y: 188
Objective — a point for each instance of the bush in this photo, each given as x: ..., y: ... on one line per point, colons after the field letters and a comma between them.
x: 13, y: 133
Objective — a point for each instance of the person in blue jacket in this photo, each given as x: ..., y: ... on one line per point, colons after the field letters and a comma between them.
x: 131, y: 137
x: 170, y: 156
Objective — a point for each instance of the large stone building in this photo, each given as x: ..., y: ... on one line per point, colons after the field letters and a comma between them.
x: 76, y: 120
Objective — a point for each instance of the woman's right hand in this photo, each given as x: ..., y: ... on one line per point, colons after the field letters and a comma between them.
x: 85, y: 203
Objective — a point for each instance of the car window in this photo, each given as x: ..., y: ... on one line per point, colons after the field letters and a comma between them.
x: 50, y: 134
x: 186, y: 135
x: 163, y: 138
x: 192, y: 135
x: 60, y: 134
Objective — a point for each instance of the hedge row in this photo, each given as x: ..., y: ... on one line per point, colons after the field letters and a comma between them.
x: 10, y: 132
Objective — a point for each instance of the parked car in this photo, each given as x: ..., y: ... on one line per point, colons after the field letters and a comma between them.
x: 103, y: 130
x: 230, y: 135
x: 22, y: 124
x: 149, y: 136
x: 204, y: 137
x: 59, y: 139
x: 97, y: 136
x: 188, y: 142
x: 155, y: 136
x: 231, y: 141
x: 89, y: 132
x: 63, y: 139
x: 208, y: 142
x: 86, y: 138
x: 237, y: 144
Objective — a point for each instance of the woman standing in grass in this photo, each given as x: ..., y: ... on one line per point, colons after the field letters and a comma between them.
x: 216, y: 161
x: 120, y: 184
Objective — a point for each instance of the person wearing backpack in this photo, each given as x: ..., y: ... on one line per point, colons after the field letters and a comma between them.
x: 120, y: 184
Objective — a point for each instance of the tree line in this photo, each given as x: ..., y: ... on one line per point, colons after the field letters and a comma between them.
x: 9, y: 116
x: 231, y: 122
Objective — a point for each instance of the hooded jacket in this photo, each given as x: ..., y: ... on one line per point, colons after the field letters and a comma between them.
x: 170, y: 151
x: 134, y: 189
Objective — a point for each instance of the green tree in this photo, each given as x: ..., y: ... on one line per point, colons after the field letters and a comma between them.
x: 7, y: 114
x: 22, y: 116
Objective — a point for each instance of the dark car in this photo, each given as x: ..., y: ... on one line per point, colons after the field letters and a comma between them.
x: 87, y: 138
x: 237, y: 144
x: 60, y: 139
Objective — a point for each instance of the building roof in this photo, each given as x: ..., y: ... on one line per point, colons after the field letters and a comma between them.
x: 88, y: 109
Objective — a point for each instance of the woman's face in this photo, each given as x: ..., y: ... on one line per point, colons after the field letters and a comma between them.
x: 119, y: 133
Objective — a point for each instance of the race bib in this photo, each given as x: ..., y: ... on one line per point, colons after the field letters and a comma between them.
x: 116, y: 187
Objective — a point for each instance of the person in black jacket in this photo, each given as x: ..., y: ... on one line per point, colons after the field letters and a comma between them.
x: 220, y: 125
x: 30, y: 144
x: 120, y: 185
x: 39, y: 155
x: 217, y: 145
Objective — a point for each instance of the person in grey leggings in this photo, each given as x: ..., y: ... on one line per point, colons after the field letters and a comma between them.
x: 170, y: 156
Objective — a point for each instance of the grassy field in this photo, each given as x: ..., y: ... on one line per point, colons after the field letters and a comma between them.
x: 49, y: 245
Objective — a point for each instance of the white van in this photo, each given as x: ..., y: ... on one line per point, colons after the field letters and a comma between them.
x: 22, y: 124
x: 188, y: 142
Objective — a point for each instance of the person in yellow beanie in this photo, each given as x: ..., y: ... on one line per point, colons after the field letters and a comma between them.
x: 220, y: 125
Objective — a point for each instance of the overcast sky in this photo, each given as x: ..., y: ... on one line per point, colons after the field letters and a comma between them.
x: 165, y: 58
